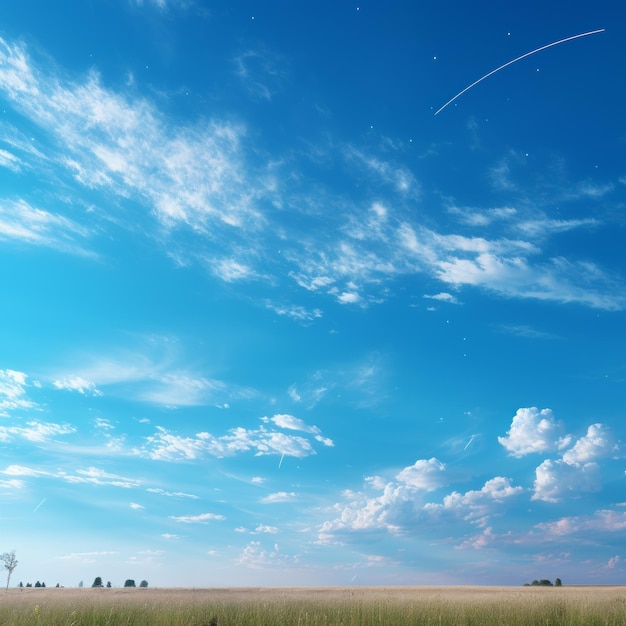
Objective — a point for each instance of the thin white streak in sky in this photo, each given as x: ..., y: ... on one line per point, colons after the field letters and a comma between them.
x: 467, y: 445
x: 282, y: 456
x: 554, y: 43
x: 39, y: 505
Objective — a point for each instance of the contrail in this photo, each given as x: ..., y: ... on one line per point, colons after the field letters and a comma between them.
x: 282, y: 456
x: 468, y: 443
x: 39, y: 505
x: 554, y: 43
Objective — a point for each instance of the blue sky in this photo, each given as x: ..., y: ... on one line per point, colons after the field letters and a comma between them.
x: 269, y: 320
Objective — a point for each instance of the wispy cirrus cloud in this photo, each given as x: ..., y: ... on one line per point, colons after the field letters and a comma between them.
x: 202, y: 518
x: 153, y: 372
x: 90, y: 475
x: 19, y: 221
x: 279, y: 496
x: 201, y: 179
x: 13, y: 386
x: 105, y: 140
x: 35, y: 431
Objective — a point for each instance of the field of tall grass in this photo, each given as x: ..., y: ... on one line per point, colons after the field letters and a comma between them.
x: 346, y: 606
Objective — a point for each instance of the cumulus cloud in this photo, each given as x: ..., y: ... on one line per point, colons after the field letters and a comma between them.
x: 557, y: 479
x: 597, y: 443
x: 396, y: 507
x: 577, y: 471
x: 476, y: 505
x: 423, y: 474
x: 532, y: 431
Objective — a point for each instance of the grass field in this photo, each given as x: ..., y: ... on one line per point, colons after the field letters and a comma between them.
x: 348, y: 606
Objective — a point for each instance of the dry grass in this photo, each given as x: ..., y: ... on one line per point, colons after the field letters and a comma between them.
x: 362, y: 606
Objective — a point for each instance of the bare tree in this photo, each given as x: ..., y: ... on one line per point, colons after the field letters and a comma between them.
x: 10, y: 563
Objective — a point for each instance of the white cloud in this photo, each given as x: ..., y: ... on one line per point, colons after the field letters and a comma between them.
x: 106, y: 140
x: 230, y: 270
x: 35, y: 226
x: 21, y: 470
x: 255, y: 556
x: 137, y: 507
x: 424, y: 474
x: 604, y: 520
x: 443, y: 297
x: 94, y: 476
x: 262, y: 528
x: 396, y: 506
x: 597, y: 443
x: 477, y: 505
x: 10, y: 161
x: 13, y: 392
x: 349, y: 297
x: 172, y: 494
x: 395, y: 176
x: 280, y: 496
x: 613, y: 562
x: 203, y: 518
x: 532, y: 431
x: 79, y: 384
x: 198, y: 177
x: 556, y: 480
x: 295, y: 312
x: 12, y: 483
x: 35, y: 431
x: 290, y: 422
x: 164, y: 445
x: 479, y: 541
x: 150, y: 374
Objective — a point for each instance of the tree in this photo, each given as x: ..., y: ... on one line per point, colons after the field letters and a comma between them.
x: 129, y: 583
x: 97, y: 582
x: 143, y: 584
x: 10, y: 563
x: 558, y: 583
x: 108, y: 584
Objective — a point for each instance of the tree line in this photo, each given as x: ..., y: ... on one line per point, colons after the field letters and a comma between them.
x: 544, y: 582
x: 128, y: 583
x: 9, y: 561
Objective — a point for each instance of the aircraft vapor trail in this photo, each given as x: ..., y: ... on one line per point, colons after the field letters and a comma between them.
x: 554, y: 43
x: 39, y: 505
